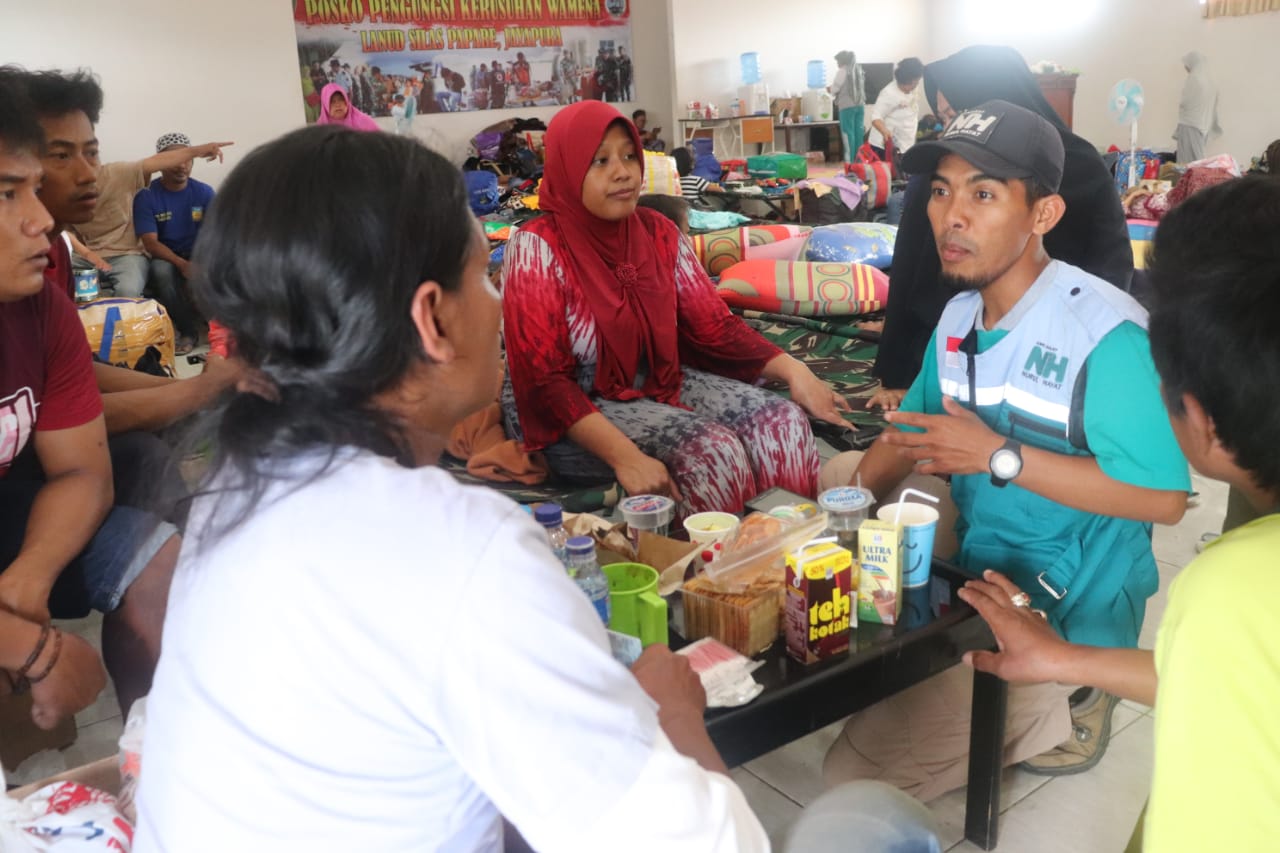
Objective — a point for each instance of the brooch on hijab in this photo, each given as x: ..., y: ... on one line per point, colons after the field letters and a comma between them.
x: 626, y: 274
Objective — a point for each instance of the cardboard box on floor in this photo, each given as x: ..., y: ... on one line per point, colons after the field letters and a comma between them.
x: 20, y: 738
x: 103, y: 774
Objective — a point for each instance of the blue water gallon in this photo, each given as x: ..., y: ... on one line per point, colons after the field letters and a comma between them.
x: 817, y: 74
x: 750, y: 68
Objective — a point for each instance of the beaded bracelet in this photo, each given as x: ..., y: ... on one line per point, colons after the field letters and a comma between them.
x: 36, y: 652
x: 19, y: 680
x: 53, y: 659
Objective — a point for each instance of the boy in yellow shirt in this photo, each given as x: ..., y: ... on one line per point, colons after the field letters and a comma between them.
x: 1214, y: 677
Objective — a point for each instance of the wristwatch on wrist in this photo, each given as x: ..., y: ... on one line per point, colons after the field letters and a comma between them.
x: 1006, y: 463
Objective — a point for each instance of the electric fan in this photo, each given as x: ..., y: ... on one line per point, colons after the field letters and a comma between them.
x: 1125, y: 106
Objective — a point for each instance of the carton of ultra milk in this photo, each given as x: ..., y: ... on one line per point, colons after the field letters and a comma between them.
x: 880, y: 582
x: 819, y: 607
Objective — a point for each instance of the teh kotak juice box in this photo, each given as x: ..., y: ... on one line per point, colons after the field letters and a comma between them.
x: 880, y: 582
x: 820, y: 601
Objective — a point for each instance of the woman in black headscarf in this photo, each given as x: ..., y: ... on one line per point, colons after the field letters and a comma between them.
x: 1092, y: 235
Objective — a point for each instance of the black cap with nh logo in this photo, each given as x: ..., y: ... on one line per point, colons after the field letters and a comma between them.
x: 1002, y: 139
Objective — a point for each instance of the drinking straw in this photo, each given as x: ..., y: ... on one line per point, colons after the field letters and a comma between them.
x: 897, y: 516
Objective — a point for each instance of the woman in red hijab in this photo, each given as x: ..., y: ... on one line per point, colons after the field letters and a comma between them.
x: 623, y: 361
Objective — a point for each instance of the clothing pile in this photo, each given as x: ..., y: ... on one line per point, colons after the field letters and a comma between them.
x: 1142, y: 203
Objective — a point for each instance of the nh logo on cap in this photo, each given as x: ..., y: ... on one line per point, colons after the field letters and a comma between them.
x: 972, y: 124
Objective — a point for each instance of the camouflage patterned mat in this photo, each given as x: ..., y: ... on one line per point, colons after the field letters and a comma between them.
x: 834, y: 350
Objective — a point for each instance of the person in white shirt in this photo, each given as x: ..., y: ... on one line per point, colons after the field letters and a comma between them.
x: 896, y: 113
x: 362, y: 654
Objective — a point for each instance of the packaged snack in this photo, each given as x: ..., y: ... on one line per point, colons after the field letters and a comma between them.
x: 725, y: 674
x: 746, y: 621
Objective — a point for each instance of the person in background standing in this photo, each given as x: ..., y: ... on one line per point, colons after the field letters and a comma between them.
x: 568, y: 78
x: 850, y: 91
x: 625, y: 72
x: 497, y: 87
x: 318, y: 77
x: 521, y: 71
x: 897, y: 109
x: 343, y: 77
x: 1197, y: 109
x: 609, y: 82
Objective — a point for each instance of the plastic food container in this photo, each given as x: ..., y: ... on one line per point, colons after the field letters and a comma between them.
x: 648, y: 512
x: 707, y: 528
x: 760, y: 544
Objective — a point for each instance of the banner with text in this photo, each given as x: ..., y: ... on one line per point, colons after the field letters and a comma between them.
x: 403, y: 57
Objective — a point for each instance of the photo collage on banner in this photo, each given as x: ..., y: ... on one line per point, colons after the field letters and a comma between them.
x: 431, y: 56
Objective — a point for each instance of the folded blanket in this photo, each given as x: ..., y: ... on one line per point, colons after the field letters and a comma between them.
x: 490, y: 455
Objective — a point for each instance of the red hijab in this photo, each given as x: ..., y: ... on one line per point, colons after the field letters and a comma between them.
x: 628, y: 281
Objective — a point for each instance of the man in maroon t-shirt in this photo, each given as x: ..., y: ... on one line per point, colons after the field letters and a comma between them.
x: 67, y: 107
x: 63, y: 548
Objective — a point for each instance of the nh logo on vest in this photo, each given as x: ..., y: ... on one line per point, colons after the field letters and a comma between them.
x: 1046, y: 364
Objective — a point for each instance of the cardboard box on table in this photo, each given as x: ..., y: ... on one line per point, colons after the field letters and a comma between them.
x: 669, y: 556
x: 788, y: 106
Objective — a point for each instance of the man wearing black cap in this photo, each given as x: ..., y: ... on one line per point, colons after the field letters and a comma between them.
x: 1039, y: 398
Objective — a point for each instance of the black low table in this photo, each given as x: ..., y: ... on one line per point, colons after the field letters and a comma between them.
x: 882, y: 660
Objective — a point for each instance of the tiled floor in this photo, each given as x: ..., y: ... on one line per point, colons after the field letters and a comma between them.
x: 1094, y: 811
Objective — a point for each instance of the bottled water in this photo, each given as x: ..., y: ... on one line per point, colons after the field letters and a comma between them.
x: 551, y: 517
x: 816, y: 74
x: 587, y: 575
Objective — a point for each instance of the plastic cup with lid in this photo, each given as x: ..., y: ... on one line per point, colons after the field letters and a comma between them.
x: 647, y: 512
x: 846, y: 508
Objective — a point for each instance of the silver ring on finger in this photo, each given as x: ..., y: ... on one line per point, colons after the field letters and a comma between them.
x: 1020, y: 600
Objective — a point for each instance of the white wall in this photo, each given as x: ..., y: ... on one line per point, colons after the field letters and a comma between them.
x: 709, y: 37
x: 222, y: 72
x: 1143, y: 39
x: 229, y: 71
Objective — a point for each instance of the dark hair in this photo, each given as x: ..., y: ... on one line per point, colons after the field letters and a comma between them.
x: 673, y: 207
x: 310, y: 259
x: 908, y: 70
x: 55, y: 93
x: 1272, y: 158
x: 20, y: 132
x: 1215, y: 272
x: 684, y: 160
x: 1036, y: 190
x: 635, y: 115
